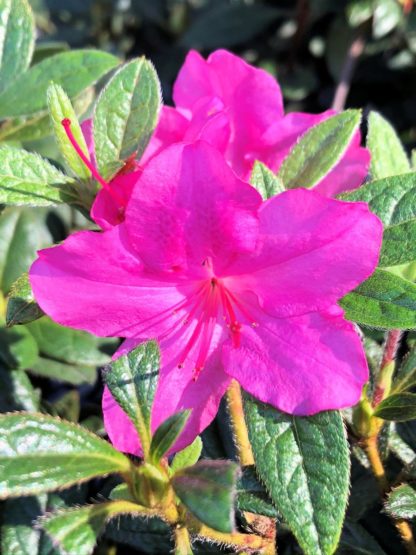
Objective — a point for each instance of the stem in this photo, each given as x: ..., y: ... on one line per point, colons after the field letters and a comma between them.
x: 236, y: 412
x: 343, y: 88
x: 248, y: 541
x: 182, y: 541
x: 377, y: 467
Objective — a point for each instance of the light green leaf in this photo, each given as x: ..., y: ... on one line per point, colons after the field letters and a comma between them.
x: 132, y: 381
x: 17, y: 39
x: 319, y: 150
x: 401, y: 502
x: 60, y: 108
x: 167, y: 433
x: 28, y: 179
x: 384, y: 301
x: 18, y: 348
x: 126, y: 113
x: 304, y: 464
x: 265, y: 181
x: 77, y: 530
x: 16, y: 391
x: 388, y: 156
x: 39, y: 453
x: 207, y: 489
x: 21, y: 305
x: 74, y: 71
x: 75, y: 374
x: 188, y: 456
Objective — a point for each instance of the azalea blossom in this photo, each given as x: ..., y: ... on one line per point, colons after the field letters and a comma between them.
x: 230, y: 285
x: 239, y: 109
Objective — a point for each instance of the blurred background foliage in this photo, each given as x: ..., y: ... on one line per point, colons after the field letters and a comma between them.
x: 305, y: 43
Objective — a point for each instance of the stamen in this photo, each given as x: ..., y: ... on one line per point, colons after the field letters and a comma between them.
x: 66, y: 124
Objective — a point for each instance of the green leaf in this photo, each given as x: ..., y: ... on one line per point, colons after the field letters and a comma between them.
x: 76, y: 530
x: 406, y: 375
x: 188, y: 456
x: 388, y: 156
x: 60, y: 108
x: 304, y: 464
x: 70, y: 346
x: 18, y: 348
x: 401, y: 502
x: 68, y: 407
x: 74, y: 71
x: 16, y: 391
x: 21, y: 305
x: 265, y: 181
x: 132, y: 381
x: 207, y: 489
x: 355, y: 540
x: 398, y: 407
x: 319, y: 150
x: 75, y: 374
x: 252, y: 495
x: 393, y: 200
x: 17, y: 39
x: 167, y: 433
x: 384, y: 301
x: 39, y: 453
x: 28, y: 179
x: 126, y: 113
x: 22, y: 233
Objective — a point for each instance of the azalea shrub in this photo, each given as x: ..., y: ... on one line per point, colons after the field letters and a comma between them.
x: 207, y: 312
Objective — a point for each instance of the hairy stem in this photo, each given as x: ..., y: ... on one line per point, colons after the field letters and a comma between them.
x: 236, y: 411
x: 182, y: 541
x: 377, y: 467
x: 250, y: 542
x: 343, y: 88
x: 383, y: 380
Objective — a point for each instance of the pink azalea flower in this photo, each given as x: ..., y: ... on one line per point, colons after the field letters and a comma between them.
x: 231, y: 286
x: 111, y: 200
x: 239, y: 110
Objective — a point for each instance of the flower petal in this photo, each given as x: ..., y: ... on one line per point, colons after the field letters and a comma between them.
x: 189, y: 206
x: 313, y: 251
x: 300, y: 365
x: 92, y: 281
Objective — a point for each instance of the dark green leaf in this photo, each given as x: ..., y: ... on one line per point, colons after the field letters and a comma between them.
x: 228, y: 24
x: 132, y: 381
x: 167, y: 433
x: 152, y: 536
x: 398, y: 407
x: 39, y: 453
x: 252, y: 495
x: 388, y: 156
x: 355, y: 540
x: 70, y: 346
x: 74, y: 71
x: 126, y: 113
x: 68, y: 406
x: 207, y: 489
x: 188, y: 456
x: 265, y: 181
x: 16, y: 391
x: 304, y: 464
x: 21, y: 305
x: 18, y: 348
x: 319, y: 150
x: 28, y: 179
x: 399, y: 244
x: 60, y: 108
x: 75, y: 374
x: 383, y: 301
x: 406, y: 376
x: 17, y: 32
x: 401, y: 502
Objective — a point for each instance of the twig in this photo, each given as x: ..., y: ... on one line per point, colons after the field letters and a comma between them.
x: 354, y: 52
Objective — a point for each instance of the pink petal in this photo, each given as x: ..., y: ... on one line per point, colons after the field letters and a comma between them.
x: 93, y: 282
x: 313, y: 251
x: 189, y: 206
x: 176, y: 391
x: 300, y: 365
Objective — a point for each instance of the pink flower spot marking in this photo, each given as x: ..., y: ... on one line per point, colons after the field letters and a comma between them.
x: 66, y: 124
